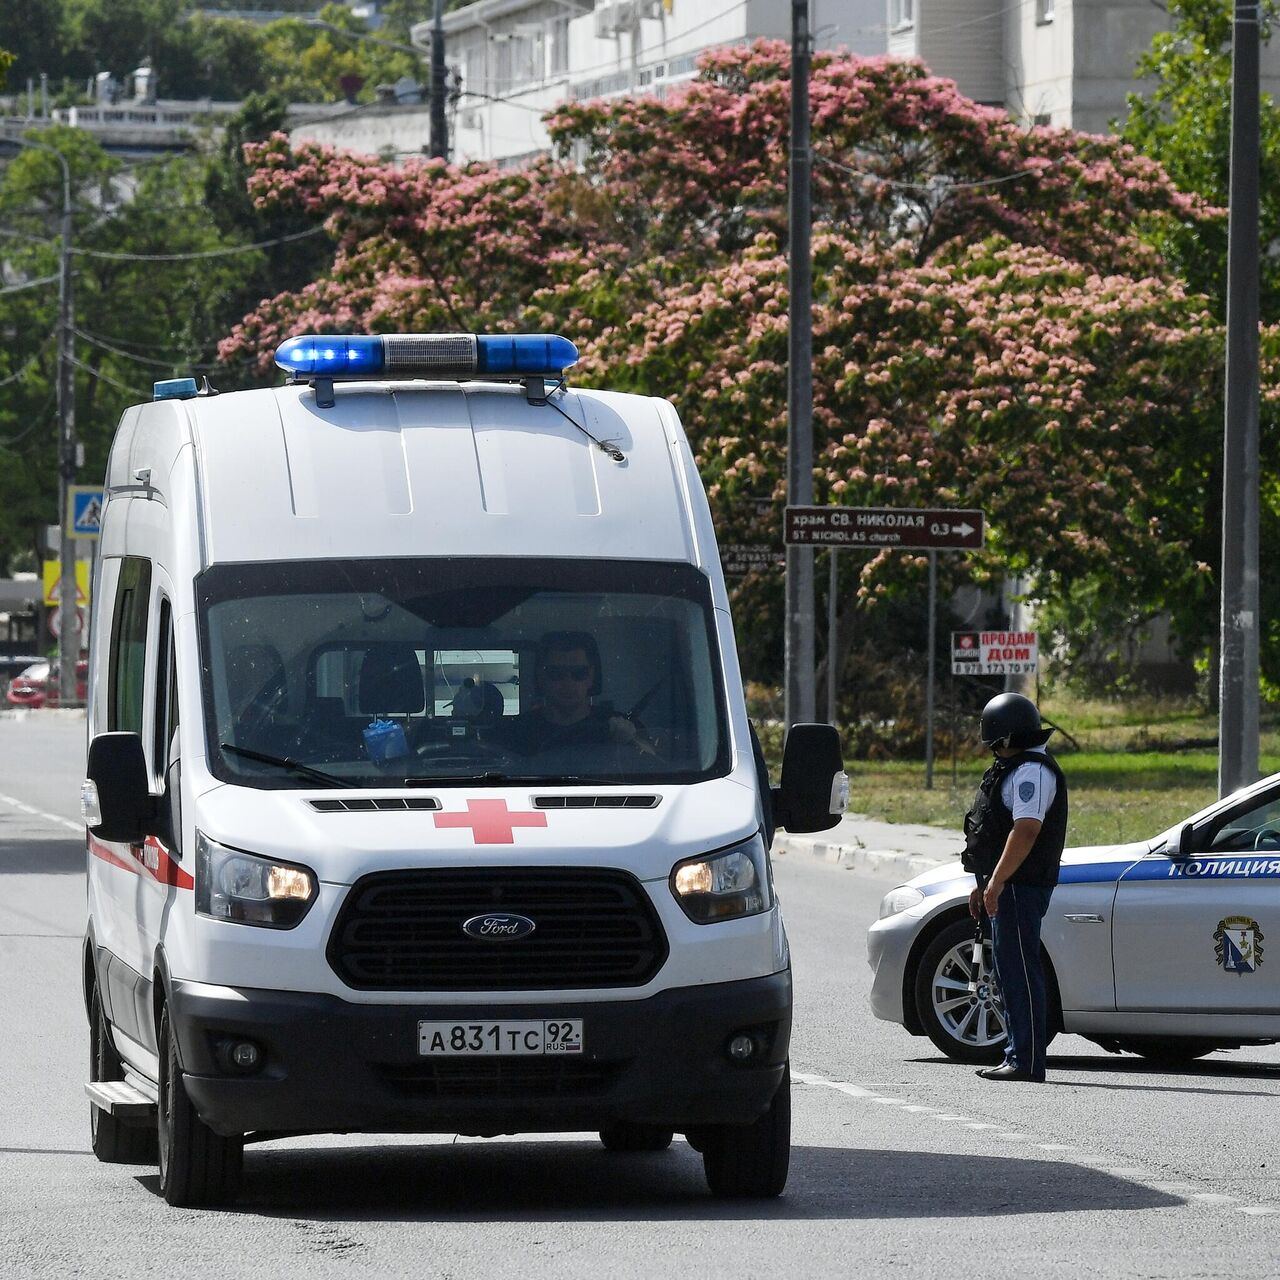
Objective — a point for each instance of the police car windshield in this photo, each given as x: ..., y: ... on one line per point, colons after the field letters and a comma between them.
x: 434, y: 671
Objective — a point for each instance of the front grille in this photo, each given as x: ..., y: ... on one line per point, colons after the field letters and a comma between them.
x: 501, y: 1078
x: 402, y: 931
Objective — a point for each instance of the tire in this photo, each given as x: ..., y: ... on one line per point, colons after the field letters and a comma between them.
x: 114, y: 1140
x: 751, y: 1161
x: 635, y: 1137
x: 197, y: 1166
x: 1166, y: 1052
x: 966, y: 1027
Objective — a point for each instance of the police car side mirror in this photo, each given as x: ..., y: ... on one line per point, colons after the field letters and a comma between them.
x: 1184, y: 845
x: 118, y: 771
x: 815, y: 788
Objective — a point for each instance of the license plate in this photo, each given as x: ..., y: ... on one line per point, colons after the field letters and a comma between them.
x: 515, y: 1039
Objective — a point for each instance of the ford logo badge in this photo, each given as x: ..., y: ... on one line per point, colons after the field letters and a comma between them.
x: 498, y: 925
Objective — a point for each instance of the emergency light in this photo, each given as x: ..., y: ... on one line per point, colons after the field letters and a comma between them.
x: 439, y: 355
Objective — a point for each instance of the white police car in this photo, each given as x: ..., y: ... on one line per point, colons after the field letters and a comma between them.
x: 1156, y: 947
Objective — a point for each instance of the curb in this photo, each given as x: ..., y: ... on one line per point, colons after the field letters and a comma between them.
x: 853, y: 854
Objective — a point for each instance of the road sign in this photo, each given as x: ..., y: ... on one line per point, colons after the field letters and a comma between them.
x: 994, y: 653
x: 875, y: 527
x: 84, y: 511
x: 740, y: 558
x: 53, y: 581
x: 55, y: 622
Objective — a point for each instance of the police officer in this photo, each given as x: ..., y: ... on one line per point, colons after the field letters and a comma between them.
x: 1014, y: 836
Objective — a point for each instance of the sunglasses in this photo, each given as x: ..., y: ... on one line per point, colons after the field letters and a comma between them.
x: 575, y: 672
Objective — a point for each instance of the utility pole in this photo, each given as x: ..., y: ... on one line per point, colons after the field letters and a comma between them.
x: 439, y: 140
x: 1238, y: 721
x: 799, y: 645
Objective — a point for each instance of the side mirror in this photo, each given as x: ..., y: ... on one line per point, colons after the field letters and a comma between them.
x: 815, y: 788
x: 118, y: 771
x: 1184, y: 846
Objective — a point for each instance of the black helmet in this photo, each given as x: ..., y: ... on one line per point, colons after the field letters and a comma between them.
x: 1010, y: 720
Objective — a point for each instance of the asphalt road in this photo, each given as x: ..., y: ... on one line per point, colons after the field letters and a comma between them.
x: 903, y: 1163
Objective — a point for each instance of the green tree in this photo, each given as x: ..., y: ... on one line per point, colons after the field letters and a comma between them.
x: 1182, y: 118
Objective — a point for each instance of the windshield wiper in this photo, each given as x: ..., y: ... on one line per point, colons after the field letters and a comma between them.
x: 499, y: 779
x: 294, y: 766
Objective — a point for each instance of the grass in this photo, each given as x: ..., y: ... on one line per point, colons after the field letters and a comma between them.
x: 1126, y: 780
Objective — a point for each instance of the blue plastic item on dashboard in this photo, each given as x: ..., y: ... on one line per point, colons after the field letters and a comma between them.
x: 384, y: 740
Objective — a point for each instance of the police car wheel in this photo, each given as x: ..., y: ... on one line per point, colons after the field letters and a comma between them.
x: 635, y: 1137
x: 114, y: 1141
x: 750, y: 1160
x: 197, y: 1166
x: 1169, y: 1052
x: 966, y: 1025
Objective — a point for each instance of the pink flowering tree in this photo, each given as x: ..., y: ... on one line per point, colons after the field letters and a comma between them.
x: 992, y: 327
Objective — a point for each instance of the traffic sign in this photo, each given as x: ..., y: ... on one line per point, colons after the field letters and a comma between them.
x: 52, y: 572
x: 994, y: 653
x: 740, y: 558
x: 875, y: 527
x: 84, y: 511
x: 55, y: 622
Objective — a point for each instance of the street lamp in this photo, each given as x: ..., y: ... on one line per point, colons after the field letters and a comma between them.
x: 68, y: 615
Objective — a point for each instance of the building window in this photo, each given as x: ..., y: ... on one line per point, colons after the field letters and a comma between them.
x: 1044, y: 11
x: 902, y: 13
x: 559, y: 46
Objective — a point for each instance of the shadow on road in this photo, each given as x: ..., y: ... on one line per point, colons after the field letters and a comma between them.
x: 535, y: 1181
x: 42, y: 857
x: 1061, y: 1067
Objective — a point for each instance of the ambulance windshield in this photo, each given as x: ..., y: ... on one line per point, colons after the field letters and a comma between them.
x: 437, y: 671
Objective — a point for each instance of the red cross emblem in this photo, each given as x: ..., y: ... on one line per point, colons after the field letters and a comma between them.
x: 491, y: 822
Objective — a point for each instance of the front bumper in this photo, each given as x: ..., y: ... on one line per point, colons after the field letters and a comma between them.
x: 331, y: 1065
x: 889, y: 945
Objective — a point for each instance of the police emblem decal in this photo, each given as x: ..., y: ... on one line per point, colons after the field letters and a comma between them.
x: 1237, y: 944
x: 1026, y: 790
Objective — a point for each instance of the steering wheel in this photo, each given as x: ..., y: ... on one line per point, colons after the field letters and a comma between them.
x: 475, y: 748
x: 1267, y: 838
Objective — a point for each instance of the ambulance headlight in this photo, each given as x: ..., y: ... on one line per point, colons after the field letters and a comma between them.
x: 236, y: 886
x: 724, y: 886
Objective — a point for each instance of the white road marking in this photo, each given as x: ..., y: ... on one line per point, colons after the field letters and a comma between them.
x: 23, y: 807
x: 1071, y: 1154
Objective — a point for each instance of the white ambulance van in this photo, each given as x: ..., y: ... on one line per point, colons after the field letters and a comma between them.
x: 421, y: 793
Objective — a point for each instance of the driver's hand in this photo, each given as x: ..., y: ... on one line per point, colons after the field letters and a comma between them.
x: 625, y: 734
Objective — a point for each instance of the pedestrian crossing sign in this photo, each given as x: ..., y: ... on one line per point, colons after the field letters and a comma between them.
x: 84, y: 511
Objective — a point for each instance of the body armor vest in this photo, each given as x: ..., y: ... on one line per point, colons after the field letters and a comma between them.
x: 989, y: 821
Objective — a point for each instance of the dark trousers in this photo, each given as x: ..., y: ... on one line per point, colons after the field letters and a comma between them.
x: 1015, y: 942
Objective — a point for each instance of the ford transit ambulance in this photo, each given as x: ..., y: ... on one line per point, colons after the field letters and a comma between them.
x: 421, y: 792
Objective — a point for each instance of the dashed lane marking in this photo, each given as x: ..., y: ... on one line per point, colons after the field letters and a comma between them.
x: 1190, y: 1191
x: 23, y: 807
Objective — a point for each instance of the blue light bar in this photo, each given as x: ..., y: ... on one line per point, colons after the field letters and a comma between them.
x: 417, y: 355
x: 174, y: 389
x: 333, y: 357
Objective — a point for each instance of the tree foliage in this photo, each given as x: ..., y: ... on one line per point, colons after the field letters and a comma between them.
x: 995, y: 324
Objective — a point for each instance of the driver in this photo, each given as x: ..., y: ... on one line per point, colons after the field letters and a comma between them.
x: 567, y: 671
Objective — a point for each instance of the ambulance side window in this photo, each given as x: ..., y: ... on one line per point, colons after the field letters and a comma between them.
x: 127, y: 664
x: 166, y: 717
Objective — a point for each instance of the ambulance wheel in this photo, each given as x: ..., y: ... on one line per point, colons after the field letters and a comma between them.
x: 114, y: 1141
x: 197, y: 1166
x: 751, y: 1161
x: 635, y: 1137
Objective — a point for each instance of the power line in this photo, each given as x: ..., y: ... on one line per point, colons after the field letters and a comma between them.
x: 942, y: 186
x: 181, y: 362
x: 202, y: 253
x: 30, y: 284
x: 106, y: 377
x: 13, y: 377
x: 37, y: 422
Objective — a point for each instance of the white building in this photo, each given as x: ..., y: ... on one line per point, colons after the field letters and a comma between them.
x: 1061, y: 62
x: 520, y: 58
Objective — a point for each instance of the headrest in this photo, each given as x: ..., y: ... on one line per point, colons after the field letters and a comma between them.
x: 391, y: 681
